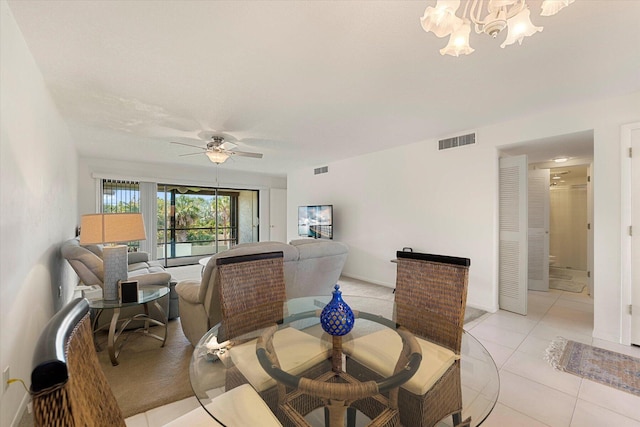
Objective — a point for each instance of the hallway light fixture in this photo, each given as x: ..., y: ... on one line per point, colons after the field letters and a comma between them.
x: 514, y: 15
x: 560, y: 159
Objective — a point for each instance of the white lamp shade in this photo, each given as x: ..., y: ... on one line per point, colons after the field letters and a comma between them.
x: 441, y: 20
x: 519, y: 27
x: 111, y: 228
x: 459, y: 41
x: 551, y: 7
x: 217, y: 156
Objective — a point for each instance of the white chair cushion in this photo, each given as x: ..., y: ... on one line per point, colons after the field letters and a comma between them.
x: 379, y: 351
x: 241, y: 406
x: 296, y: 351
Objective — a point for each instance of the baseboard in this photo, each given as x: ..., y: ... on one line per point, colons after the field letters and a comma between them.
x: 20, y: 413
x: 482, y: 307
x: 606, y: 337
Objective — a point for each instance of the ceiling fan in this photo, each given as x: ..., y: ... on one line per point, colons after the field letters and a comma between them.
x: 218, y: 150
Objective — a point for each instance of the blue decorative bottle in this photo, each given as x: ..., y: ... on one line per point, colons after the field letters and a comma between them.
x: 336, y: 317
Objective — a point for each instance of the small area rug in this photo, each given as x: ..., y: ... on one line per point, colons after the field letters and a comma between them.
x: 555, y: 273
x: 597, y: 364
x: 566, y: 285
x: 148, y: 375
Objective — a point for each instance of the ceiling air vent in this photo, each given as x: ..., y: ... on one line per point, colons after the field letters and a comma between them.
x: 457, y: 141
x: 323, y: 169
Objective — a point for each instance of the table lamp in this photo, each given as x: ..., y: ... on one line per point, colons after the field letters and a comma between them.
x: 112, y: 229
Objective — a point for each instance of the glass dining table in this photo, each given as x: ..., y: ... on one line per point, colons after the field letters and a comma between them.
x: 213, y: 362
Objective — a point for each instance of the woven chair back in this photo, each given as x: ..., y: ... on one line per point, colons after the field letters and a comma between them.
x: 73, y: 390
x: 430, y: 296
x: 252, y: 292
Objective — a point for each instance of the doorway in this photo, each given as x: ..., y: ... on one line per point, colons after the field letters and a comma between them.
x: 577, y: 149
x: 568, y: 229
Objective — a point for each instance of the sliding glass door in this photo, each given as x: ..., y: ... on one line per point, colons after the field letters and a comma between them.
x: 196, y: 222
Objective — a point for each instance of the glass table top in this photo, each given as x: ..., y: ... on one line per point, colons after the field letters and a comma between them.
x: 146, y: 294
x: 211, y: 363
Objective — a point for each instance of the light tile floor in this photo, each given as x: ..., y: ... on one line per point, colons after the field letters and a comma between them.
x: 532, y: 393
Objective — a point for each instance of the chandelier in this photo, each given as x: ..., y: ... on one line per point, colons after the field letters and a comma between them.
x: 514, y: 15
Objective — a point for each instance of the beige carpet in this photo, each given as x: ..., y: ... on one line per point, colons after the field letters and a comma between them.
x: 148, y: 375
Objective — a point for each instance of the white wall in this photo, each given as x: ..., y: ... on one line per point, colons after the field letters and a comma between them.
x: 446, y: 202
x: 38, y: 204
x: 90, y: 168
x: 411, y: 196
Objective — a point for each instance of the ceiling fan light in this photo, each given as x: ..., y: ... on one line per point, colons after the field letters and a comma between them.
x: 519, y: 27
x: 459, y: 41
x: 441, y: 20
x: 551, y: 7
x: 217, y: 156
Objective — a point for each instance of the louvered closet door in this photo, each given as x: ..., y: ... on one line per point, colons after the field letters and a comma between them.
x: 512, y: 281
x: 538, y: 207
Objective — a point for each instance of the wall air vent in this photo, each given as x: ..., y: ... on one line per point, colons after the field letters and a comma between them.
x: 323, y: 169
x: 457, y: 141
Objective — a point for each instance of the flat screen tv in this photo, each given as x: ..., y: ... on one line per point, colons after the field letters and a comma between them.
x: 316, y: 221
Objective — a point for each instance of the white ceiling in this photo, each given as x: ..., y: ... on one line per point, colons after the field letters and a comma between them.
x: 306, y: 83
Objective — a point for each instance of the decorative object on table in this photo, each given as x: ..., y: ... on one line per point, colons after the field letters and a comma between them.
x: 596, y: 364
x: 128, y: 290
x: 111, y: 229
x: 337, y: 320
x: 337, y: 317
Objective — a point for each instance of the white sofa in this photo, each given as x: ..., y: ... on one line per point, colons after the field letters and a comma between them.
x: 86, y: 261
x: 311, y: 267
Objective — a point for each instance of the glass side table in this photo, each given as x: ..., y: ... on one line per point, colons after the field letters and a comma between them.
x: 146, y: 295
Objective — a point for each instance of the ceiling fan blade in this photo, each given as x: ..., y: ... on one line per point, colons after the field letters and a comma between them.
x: 189, y: 154
x: 247, y: 154
x: 228, y: 145
x: 189, y: 145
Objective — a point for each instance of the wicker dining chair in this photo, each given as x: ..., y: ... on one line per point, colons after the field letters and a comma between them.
x: 430, y: 299
x: 251, y: 292
x: 69, y: 388
x: 251, y: 296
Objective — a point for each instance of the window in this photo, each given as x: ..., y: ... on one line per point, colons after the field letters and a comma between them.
x: 195, y: 222
x: 121, y: 196
x: 191, y: 222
